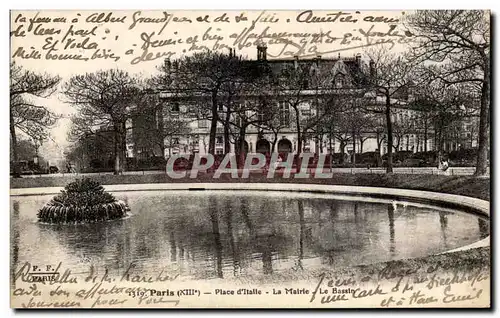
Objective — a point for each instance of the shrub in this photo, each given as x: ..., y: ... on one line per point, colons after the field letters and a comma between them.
x: 82, y: 201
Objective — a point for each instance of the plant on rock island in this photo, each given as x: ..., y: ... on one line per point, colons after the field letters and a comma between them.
x: 82, y: 201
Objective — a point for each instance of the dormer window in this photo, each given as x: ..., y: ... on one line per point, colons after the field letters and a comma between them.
x: 339, y: 81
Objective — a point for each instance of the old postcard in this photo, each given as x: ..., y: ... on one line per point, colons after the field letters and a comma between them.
x: 250, y: 159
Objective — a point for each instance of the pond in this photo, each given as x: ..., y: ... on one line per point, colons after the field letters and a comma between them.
x: 227, y: 234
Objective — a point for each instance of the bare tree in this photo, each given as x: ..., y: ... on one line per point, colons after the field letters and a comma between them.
x: 173, y: 128
x: 245, y: 102
x: 443, y: 105
x: 272, y: 121
x: 390, y: 78
x: 309, y: 95
x: 25, y: 113
x: 203, y: 76
x: 104, y: 99
x: 403, y: 127
x: 459, y: 40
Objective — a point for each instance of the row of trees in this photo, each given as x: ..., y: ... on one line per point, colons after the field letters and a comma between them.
x: 446, y: 71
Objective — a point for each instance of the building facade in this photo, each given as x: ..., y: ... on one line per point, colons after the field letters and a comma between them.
x: 412, y: 131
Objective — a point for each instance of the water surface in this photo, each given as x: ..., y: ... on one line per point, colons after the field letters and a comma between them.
x: 210, y: 234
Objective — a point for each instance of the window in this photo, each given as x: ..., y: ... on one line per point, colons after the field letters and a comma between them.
x: 263, y: 110
x: 220, y: 107
x: 237, y: 120
x: 284, y: 113
x: 305, y: 84
x: 191, y: 111
x: 175, y: 141
x: 202, y: 123
x: 306, y: 110
x: 219, y: 140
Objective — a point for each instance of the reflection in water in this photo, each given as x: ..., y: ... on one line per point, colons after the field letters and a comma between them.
x: 333, y: 215
x: 390, y: 212
x: 300, y: 205
x: 217, y: 234
x: 443, y: 221
x: 356, y: 214
x: 230, y: 233
x: 173, y: 248
x: 214, y: 218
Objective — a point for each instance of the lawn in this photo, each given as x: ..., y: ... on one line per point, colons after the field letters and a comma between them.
x: 461, y: 185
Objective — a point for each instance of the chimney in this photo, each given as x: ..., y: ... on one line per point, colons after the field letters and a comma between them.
x: 318, y: 58
x: 296, y: 61
x: 261, y: 52
x: 358, y: 59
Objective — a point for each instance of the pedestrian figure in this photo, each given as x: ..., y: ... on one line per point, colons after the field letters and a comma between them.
x: 444, y: 166
x: 278, y: 161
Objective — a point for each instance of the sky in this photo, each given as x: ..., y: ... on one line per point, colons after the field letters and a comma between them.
x: 138, y: 41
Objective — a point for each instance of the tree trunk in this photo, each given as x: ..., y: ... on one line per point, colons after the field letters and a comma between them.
x: 342, y: 151
x: 273, y: 144
x: 439, y: 146
x: 227, y: 144
x: 353, y: 161
x: 389, y: 131
x: 170, y: 141
x: 213, y: 125
x: 330, y: 150
x: 241, y: 151
x: 299, y: 133
x: 13, y: 137
x: 123, y: 150
x: 161, y: 133
x: 484, y: 123
x: 299, y: 138
x: 425, y: 135
x: 379, y: 145
x: 117, y: 143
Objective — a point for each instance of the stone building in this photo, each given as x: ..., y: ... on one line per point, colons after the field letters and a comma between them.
x: 345, y: 76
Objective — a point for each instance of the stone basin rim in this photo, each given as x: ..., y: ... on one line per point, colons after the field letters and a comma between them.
x: 478, y: 206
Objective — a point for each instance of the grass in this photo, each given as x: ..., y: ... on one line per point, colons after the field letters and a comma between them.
x: 461, y: 185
